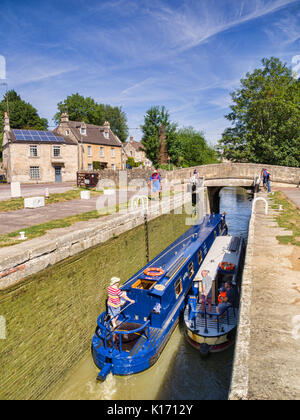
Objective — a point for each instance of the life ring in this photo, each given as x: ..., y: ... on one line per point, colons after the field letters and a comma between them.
x: 154, y: 272
x: 226, y: 266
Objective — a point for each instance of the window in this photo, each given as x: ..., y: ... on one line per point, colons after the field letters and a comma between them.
x: 67, y: 132
x: 178, y: 287
x: 83, y: 131
x: 56, y: 151
x: 101, y: 151
x: 220, y: 229
x: 113, y: 166
x: 200, y: 257
x: 89, y: 150
x: 106, y: 134
x: 34, y: 172
x: 33, y: 151
x: 90, y: 167
x: 191, y: 269
x: 112, y: 152
x: 215, y: 233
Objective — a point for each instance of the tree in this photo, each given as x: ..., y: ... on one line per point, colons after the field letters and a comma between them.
x: 22, y: 115
x: 154, y: 118
x: 265, y: 117
x: 195, y: 150
x: 88, y: 110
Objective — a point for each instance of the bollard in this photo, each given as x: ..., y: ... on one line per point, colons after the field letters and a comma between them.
x: 22, y: 236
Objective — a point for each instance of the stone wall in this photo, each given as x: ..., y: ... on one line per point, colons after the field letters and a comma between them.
x: 20, y: 162
x: 51, y: 316
x: 219, y: 171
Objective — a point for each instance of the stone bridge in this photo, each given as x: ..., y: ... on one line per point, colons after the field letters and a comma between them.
x: 231, y: 174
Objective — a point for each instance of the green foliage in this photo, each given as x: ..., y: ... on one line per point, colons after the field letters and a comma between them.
x: 22, y: 115
x: 130, y: 161
x: 265, y: 118
x: 186, y: 146
x: 84, y: 109
x: 96, y: 166
x: 194, y: 148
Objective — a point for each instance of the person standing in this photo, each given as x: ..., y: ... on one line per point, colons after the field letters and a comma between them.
x: 268, y: 181
x: 155, y: 184
x: 206, y: 290
x: 114, y: 301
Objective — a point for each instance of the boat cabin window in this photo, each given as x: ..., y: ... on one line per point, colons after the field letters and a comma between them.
x: 191, y: 269
x: 178, y: 287
x: 143, y: 284
x: 200, y: 257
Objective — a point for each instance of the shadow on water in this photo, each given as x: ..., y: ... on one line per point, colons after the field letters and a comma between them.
x: 192, y: 378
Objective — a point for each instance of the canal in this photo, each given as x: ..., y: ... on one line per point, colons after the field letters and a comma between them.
x: 179, y: 374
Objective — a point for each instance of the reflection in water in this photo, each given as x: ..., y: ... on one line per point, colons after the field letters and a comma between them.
x: 180, y: 373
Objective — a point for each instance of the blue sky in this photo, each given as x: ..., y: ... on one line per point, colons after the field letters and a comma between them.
x: 185, y: 54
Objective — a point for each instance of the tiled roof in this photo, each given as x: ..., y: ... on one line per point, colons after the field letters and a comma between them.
x: 94, y: 134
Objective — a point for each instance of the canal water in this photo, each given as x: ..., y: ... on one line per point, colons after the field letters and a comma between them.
x: 180, y: 373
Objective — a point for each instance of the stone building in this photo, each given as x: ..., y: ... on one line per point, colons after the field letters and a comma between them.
x: 32, y: 156
x: 97, y: 145
x: 56, y: 156
x: 136, y: 150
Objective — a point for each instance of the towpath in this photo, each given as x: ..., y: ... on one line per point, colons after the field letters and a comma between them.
x: 267, y: 356
x: 13, y: 221
x: 35, y: 190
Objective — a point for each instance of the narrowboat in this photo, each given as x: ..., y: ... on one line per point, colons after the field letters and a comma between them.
x: 159, y: 290
x: 210, y: 323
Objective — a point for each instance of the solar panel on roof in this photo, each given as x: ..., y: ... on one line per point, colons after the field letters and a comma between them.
x: 35, y: 135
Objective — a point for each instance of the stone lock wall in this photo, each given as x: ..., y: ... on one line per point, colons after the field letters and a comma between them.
x: 51, y: 316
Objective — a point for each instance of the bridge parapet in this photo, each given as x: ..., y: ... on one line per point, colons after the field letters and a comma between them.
x: 241, y: 171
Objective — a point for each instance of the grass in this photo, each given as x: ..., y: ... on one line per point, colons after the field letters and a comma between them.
x: 288, y: 218
x: 18, y: 203
x: 36, y: 231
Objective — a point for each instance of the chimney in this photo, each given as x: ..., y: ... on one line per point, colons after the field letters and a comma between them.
x: 83, y: 128
x: 6, y: 122
x: 64, y: 117
x: 131, y: 139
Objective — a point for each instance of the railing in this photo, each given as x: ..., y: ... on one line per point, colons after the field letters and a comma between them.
x: 205, y: 313
x: 108, y: 334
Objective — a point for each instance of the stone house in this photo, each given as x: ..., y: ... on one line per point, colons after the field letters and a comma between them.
x: 32, y: 156
x: 96, y: 144
x: 136, y: 150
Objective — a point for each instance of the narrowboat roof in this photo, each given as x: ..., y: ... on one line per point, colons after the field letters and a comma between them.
x: 175, y: 256
x: 224, y: 248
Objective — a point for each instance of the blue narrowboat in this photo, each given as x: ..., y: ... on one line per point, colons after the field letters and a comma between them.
x: 159, y: 290
x: 210, y: 322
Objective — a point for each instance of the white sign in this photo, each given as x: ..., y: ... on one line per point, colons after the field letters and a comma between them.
x: 34, y: 202
x: 15, y: 190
